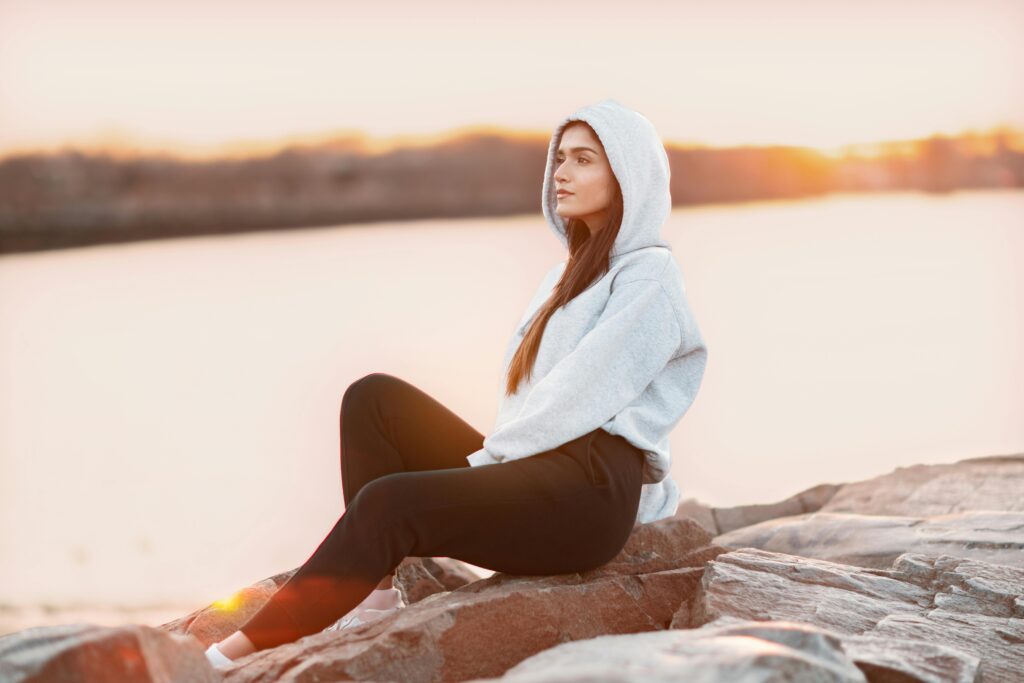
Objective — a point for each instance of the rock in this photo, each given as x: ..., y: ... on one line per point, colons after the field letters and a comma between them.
x: 876, y: 541
x: 895, y: 660
x: 666, y: 544
x: 69, y: 653
x: 747, y: 652
x: 722, y: 520
x: 756, y: 584
x: 986, y: 483
x: 702, y: 514
x: 886, y: 660
x: 217, y: 621
x: 971, y: 608
x: 483, y: 628
x: 420, y: 577
x: 809, y: 500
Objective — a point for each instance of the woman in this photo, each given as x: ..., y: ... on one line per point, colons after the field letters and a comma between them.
x: 604, y: 363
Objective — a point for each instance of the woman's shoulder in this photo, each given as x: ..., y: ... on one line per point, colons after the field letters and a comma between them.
x: 654, y: 263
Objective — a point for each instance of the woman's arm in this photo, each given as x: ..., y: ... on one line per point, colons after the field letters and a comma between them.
x: 635, y: 337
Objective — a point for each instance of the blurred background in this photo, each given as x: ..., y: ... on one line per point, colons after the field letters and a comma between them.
x: 215, y: 216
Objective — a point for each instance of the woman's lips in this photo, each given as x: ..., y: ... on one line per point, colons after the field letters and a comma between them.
x: 562, y: 194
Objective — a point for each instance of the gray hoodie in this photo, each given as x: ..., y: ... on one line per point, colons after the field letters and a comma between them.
x: 626, y: 354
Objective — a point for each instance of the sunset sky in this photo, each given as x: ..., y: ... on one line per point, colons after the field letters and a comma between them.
x: 195, y: 75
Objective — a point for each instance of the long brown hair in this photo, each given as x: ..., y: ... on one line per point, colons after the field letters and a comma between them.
x: 588, y: 261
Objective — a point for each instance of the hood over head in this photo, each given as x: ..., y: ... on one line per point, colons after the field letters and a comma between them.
x: 640, y: 164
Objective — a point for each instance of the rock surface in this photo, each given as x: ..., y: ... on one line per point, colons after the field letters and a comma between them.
x: 421, y: 577
x: 986, y: 483
x: 722, y: 520
x: 73, y: 653
x: 875, y: 541
x: 809, y: 500
x: 745, y: 652
x: 972, y: 608
x: 916, y: 575
x: 884, y: 659
x: 989, y: 483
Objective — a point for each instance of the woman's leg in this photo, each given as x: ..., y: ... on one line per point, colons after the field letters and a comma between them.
x: 562, y: 511
x: 379, y: 413
x: 387, y: 425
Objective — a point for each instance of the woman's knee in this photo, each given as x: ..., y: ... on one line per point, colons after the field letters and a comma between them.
x: 383, y: 496
x: 358, y: 392
x: 365, y: 386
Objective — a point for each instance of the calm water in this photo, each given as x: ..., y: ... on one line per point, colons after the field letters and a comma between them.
x: 168, y: 410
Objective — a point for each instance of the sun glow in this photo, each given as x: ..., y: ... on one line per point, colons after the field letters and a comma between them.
x: 229, y: 604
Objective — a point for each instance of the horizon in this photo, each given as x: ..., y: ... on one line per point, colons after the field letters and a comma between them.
x: 127, y: 146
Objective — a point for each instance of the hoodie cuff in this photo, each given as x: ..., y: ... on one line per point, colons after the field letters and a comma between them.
x: 481, y: 457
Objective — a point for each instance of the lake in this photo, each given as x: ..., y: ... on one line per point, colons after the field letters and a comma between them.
x: 169, y: 409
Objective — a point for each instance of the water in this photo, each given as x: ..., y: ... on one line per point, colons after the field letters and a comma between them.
x: 168, y: 410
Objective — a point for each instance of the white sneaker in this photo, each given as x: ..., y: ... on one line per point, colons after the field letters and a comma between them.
x: 218, y: 658
x: 364, y: 615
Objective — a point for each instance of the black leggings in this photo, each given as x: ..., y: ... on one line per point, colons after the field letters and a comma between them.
x: 409, y: 492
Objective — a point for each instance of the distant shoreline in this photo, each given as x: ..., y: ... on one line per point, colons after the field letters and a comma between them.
x: 72, y: 199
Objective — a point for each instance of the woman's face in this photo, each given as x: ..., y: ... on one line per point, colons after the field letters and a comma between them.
x: 582, y: 168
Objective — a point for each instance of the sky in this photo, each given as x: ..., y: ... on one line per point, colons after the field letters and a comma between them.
x: 219, y: 76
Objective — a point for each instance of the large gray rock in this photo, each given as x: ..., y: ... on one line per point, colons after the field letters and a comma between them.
x: 86, y: 653
x: 876, y: 541
x: 702, y: 514
x: 747, y: 652
x: 888, y: 659
x: 967, y: 606
x: 718, y: 520
x: 808, y: 500
x: 987, y: 483
x: 885, y: 659
x: 984, y: 483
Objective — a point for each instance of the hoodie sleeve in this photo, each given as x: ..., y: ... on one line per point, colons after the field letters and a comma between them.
x: 632, y: 341
x: 481, y: 457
